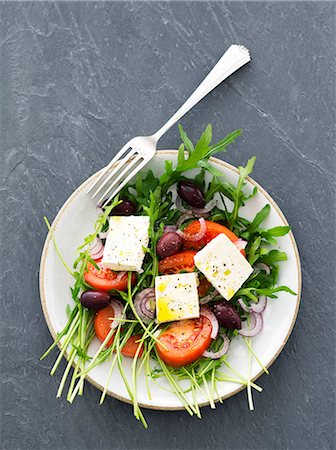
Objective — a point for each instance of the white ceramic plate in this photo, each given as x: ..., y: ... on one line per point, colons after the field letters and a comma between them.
x: 75, y: 220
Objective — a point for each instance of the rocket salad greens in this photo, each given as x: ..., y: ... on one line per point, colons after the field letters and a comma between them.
x: 118, y: 307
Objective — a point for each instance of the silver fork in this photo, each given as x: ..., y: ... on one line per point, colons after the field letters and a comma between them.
x: 141, y: 149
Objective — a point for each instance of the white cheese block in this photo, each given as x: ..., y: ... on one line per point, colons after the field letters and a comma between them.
x: 176, y: 297
x: 223, y: 265
x: 125, y: 241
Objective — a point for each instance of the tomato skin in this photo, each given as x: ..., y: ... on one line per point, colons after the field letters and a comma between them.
x: 178, y: 262
x: 185, y: 341
x: 213, y: 229
x: 203, y: 287
x: 102, y: 326
x: 106, y: 279
x: 131, y: 346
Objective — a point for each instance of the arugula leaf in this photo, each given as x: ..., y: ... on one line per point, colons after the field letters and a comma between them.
x: 252, y: 254
x: 259, y: 218
x: 186, y: 141
x: 222, y: 145
x: 277, y: 231
x: 272, y: 257
x: 239, y: 196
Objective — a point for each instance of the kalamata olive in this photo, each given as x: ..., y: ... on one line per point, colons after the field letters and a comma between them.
x: 95, y: 300
x: 227, y: 316
x: 168, y: 244
x: 191, y: 194
x: 125, y: 208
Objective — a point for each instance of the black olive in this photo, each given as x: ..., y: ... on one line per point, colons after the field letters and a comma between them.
x: 191, y: 194
x: 226, y: 315
x: 95, y: 300
x: 125, y: 208
x: 168, y: 244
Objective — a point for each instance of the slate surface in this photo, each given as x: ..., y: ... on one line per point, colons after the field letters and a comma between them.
x: 77, y: 81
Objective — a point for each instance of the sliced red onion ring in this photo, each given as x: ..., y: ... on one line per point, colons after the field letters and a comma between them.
x: 185, y: 216
x: 95, y: 245
x: 240, y: 244
x: 196, y: 236
x: 221, y: 352
x: 98, y: 255
x: 120, y: 275
x: 169, y: 228
x: 243, y: 305
x: 256, y: 307
x: 118, y: 312
x: 262, y: 266
x: 255, y: 327
x: 206, y: 312
x: 207, y: 208
x: 144, y: 304
x: 96, y: 249
x: 103, y: 234
x: 260, y: 306
x: 209, y: 297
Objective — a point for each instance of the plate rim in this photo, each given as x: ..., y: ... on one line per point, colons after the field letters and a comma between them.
x: 120, y: 397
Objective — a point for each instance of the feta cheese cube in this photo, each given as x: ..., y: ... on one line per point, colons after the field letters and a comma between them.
x: 223, y: 265
x: 176, y: 297
x: 125, y: 241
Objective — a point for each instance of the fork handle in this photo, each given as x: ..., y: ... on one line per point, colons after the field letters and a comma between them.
x: 235, y: 57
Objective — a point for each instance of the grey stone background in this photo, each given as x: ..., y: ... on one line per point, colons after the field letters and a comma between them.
x: 77, y: 80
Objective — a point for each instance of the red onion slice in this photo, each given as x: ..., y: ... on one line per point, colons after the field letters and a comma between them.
x: 206, y: 312
x: 261, y: 266
x: 185, y: 216
x: 103, y: 234
x: 120, y: 275
x: 98, y: 255
x: 260, y: 306
x: 96, y: 249
x: 118, y: 312
x: 243, y: 305
x: 207, y: 208
x: 99, y: 210
x: 255, y: 327
x: 240, y: 244
x: 256, y: 307
x: 144, y: 305
x: 221, y: 352
x: 209, y: 297
x: 95, y: 245
x: 196, y: 236
x: 169, y: 228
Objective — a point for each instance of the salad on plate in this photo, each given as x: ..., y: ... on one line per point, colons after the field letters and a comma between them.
x: 170, y: 275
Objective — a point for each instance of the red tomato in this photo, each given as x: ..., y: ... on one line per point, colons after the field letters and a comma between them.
x: 102, y: 326
x: 183, y: 261
x: 131, y: 346
x: 185, y: 341
x: 213, y: 229
x: 106, y: 279
x: 203, y: 287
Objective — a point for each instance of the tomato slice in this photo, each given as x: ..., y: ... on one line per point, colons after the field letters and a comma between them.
x: 213, y: 229
x: 203, y: 287
x: 183, y: 261
x: 131, y: 346
x: 102, y: 326
x: 106, y: 279
x: 185, y: 341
